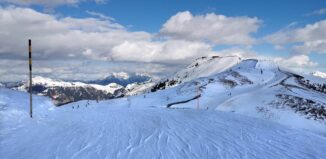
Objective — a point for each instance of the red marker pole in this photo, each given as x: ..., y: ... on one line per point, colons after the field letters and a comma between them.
x: 30, y: 77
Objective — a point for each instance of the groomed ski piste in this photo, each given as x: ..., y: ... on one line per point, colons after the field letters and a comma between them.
x: 241, y: 114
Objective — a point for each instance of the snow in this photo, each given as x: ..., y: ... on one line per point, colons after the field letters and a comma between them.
x: 110, y: 88
x: 135, y: 88
x: 240, y: 115
x: 315, y: 79
x: 47, y: 82
x: 319, y: 74
x: 206, y: 66
x: 256, y: 99
x: 122, y: 75
x: 116, y: 129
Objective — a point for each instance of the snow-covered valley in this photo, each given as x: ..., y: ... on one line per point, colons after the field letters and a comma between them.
x: 246, y: 109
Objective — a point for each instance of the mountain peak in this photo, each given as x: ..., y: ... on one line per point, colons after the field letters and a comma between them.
x: 122, y: 75
x: 206, y: 66
x: 121, y: 78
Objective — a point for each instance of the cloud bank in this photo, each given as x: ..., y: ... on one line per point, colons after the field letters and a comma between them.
x: 217, y: 29
x: 87, y: 48
x: 305, y: 40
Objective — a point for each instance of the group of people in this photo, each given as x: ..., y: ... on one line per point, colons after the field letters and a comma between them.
x: 87, y: 104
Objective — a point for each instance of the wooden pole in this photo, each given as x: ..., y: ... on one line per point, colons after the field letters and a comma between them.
x: 30, y: 77
x: 198, y: 97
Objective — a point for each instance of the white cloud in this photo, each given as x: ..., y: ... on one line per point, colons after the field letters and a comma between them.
x: 169, y: 51
x: 317, y: 12
x: 54, y: 37
x: 311, y: 38
x: 14, y: 70
x: 217, y: 29
x: 294, y: 63
x: 88, y: 48
x: 86, y: 38
x: 70, y: 40
x: 99, y: 15
x: 298, y: 61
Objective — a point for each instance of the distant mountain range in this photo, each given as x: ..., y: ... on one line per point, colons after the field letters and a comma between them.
x: 121, y: 78
x: 62, y: 92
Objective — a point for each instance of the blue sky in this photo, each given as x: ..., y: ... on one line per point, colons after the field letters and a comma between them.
x: 149, y: 15
x: 267, y: 29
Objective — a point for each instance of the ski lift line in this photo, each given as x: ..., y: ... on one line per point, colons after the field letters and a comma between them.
x: 30, y: 78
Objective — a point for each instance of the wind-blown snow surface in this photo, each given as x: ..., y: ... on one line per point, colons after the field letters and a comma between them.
x: 247, y: 109
x: 131, y: 128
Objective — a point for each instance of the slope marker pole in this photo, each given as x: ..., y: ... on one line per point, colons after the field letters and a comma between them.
x: 30, y: 77
x: 198, y: 97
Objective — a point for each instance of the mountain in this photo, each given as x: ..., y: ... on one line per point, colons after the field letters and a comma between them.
x: 201, y: 67
x: 122, y: 79
x: 250, y: 87
x: 217, y: 107
x: 62, y: 92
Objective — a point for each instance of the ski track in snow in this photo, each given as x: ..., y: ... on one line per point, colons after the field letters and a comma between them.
x: 101, y: 132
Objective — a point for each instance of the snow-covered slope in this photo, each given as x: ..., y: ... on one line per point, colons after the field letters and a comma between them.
x: 139, y: 88
x: 319, y: 74
x: 201, y: 67
x: 248, y: 109
x: 253, y: 88
x: 127, y: 128
x: 206, y: 66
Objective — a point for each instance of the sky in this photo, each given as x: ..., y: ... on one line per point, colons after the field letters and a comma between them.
x: 89, y: 39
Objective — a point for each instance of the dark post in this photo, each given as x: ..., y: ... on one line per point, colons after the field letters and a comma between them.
x: 30, y: 77
x: 198, y: 93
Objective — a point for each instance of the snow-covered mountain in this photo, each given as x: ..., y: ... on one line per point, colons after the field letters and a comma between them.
x: 205, y: 66
x: 122, y: 79
x: 113, y: 86
x: 250, y: 87
x: 63, y: 92
x: 247, y: 109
